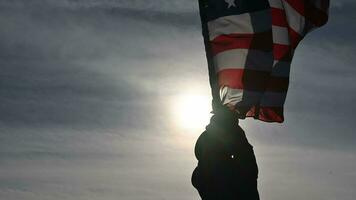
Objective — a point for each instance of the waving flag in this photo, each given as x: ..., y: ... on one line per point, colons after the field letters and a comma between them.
x: 250, y: 46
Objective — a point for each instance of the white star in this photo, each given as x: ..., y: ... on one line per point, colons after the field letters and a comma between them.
x: 231, y: 3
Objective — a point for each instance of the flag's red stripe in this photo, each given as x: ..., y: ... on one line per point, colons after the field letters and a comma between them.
x: 271, y: 114
x: 279, y: 17
x: 298, y: 5
x: 267, y: 114
x: 260, y: 41
x: 231, y: 78
x: 252, y: 80
x: 295, y: 37
x: 282, y: 52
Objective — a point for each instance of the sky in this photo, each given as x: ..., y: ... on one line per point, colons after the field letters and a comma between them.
x: 91, y: 104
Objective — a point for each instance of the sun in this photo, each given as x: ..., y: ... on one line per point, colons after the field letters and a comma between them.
x: 192, y: 111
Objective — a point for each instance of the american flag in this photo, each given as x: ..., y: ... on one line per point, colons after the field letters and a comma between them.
x: 250, y: 46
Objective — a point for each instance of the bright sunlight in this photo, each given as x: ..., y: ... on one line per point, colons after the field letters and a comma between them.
x: 192, y: 111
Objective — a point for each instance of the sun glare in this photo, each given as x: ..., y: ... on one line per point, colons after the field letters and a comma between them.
x: 192, y: 112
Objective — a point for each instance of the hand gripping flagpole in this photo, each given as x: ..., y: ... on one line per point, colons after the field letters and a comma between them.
x: 227, y: 168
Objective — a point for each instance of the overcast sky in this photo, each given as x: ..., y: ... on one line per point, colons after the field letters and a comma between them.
x: 87, y: 89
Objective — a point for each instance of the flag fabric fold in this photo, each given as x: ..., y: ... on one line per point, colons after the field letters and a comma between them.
x: 250, y: 46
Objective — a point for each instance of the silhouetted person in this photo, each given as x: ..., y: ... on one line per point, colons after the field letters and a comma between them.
x: 227, y: 168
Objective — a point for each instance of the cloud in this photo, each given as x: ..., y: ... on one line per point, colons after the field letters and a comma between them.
x: 154, y: 5
x: 85, y: 66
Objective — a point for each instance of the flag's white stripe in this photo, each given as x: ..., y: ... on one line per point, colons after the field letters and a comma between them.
x: 276, y: 4
x: 274, y: 99
x: 269, y: 99
x: 281, y: 68
x: 280, y: 35
x: 295, y: 20
x: 229, y: 96
x: 232, y: 96
x: 247, y: 23
x: 244, y: 59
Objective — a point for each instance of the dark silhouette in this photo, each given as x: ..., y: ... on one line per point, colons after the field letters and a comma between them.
x: 227, y: 168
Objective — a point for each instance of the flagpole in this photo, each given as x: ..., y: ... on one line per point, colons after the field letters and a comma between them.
x: 212, y: 73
